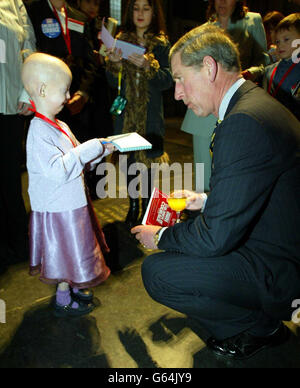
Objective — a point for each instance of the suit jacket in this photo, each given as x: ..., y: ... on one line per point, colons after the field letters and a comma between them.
x: 253, y: 209
x: 81, y: 62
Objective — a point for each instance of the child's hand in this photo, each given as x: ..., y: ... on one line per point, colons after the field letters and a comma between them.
x: 109, y: 148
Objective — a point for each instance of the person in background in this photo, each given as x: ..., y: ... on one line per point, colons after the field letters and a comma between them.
x: 270, y: 20
x: 66, y: 241
x: 282, y: 79
x: 235, y: 268
x: 17, y: 41
x: 247, y: 31
x: 144, y: 78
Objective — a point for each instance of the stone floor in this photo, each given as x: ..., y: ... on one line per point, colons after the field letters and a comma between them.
x: 127, y: 329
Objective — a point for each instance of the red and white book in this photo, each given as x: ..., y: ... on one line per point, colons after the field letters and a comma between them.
x: 158, y: 211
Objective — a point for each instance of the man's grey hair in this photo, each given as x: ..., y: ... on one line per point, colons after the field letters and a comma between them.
x: 207, y: 40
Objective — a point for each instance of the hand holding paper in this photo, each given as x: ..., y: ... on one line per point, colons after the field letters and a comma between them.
x: 126, y: 48
x: 145, y: 235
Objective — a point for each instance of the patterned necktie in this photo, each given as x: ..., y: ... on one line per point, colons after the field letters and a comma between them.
x: 212, y: 142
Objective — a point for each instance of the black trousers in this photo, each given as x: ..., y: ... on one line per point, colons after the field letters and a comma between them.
x: 13, y: 219
x: 220, y: 293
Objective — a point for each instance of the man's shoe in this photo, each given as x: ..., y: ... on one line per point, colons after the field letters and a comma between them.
x: 84, y: 295
x: 245, y: 345
x: 69, y: 311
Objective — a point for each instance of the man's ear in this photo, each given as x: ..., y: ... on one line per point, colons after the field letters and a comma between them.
x: 211, y: 67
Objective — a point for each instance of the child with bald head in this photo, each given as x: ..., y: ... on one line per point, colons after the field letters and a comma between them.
x: 66, y: 241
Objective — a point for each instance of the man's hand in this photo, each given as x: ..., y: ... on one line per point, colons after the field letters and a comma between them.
x: 145, y: 235
x: 194, y: 201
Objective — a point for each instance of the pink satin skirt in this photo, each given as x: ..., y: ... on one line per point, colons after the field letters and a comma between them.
x: 68, y: 247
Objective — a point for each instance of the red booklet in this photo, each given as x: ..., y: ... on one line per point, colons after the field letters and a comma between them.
x: 158, y: 211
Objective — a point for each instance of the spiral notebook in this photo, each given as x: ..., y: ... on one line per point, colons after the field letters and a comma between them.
x: 130, y: 142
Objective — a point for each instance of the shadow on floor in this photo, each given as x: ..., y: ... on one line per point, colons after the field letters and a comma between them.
x: 285, y: 356
x: 43, y: 341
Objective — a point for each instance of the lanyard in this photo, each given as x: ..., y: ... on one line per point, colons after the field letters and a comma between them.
x: 274, y: 93
x: 66, y: 34
x: 120, y: 80
x: 53, y: 123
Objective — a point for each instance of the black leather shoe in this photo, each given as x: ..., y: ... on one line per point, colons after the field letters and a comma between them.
x: 245, y: 345
x: 69, y: 311
x: 84, y: 295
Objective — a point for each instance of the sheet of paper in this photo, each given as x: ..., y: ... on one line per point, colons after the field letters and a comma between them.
x: 106, y: 38
x: 127, y: 48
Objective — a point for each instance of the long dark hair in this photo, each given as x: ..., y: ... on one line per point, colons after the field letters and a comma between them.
x: 239, y: 12
x: 157, y: 26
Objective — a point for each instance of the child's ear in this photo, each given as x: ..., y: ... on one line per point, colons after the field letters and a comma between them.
x: 42, y: 91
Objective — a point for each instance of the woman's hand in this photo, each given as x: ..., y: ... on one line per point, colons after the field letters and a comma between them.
x: 140, y: 61
x: 114, y: 55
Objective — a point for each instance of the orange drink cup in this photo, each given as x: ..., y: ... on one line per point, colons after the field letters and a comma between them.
x: 177, y: 204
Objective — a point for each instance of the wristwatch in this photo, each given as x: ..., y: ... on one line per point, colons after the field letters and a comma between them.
x: 156, y: 237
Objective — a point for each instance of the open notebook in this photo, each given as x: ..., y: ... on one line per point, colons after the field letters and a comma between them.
x: 130, y: 142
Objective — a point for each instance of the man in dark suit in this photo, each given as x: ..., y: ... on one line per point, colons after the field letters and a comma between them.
x: 235, y: 268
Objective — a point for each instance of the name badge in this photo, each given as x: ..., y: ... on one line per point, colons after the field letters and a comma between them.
x: 75, y: 25
x: 51, y: 28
